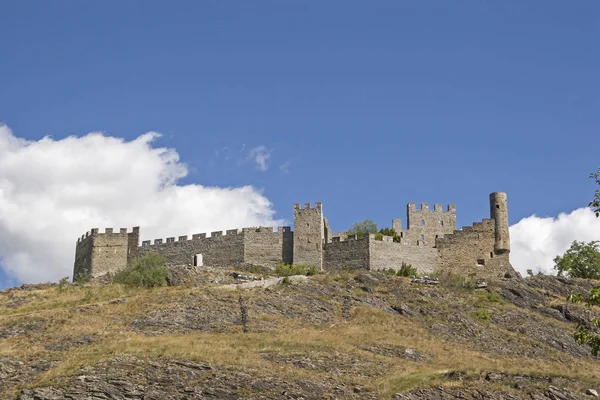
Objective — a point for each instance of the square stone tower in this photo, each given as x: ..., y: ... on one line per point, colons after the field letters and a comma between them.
x: 309, y: 235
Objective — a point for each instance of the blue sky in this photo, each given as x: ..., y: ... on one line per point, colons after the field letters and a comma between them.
x: 364, y: 106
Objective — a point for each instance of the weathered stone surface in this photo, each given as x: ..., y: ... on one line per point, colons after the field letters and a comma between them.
x: 430, y: 243
x: 127, y: 378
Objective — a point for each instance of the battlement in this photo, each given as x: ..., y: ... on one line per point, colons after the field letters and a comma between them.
x: 107, y: 232
x: 307, y: 206
x: 215, y: 234
x: 437, y: 207
x: 429, y: 242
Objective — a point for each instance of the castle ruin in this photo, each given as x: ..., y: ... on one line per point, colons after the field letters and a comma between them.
x: 429, y: 243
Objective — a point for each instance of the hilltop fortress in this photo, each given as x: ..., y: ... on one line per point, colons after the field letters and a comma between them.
x: 429, y: 243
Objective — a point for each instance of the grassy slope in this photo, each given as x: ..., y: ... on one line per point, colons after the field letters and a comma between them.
x: 279, y: 334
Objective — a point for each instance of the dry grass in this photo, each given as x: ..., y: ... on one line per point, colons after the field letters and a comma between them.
x: 109, y: 325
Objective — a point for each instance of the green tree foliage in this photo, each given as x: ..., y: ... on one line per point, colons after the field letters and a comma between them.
x: 582, y: 260
x: 595, y: 203
x: 585, y: 335
x: 390, y: 232
x: 360, y: 229
x: 147, y: 271
x: 589, y: 334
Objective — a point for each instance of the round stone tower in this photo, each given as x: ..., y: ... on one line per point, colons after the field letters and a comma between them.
x: 499, y: 213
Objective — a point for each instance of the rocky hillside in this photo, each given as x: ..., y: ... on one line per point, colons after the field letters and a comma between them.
x: 348, y: 335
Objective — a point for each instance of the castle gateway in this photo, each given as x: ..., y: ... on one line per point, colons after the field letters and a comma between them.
x: 429, y: 243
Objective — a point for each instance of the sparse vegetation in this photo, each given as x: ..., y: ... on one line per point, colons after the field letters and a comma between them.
x: 407, y: 270
x: 147, y: 271
x: 481, y: 314
x: 287, y: 327
x: 63, y: 283
x: 295, y: 269
x: 82, y: 277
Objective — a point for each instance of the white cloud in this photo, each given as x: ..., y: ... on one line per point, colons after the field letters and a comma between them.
x: 535, y: 241
x: 52, y: 191
x: 259, y: 155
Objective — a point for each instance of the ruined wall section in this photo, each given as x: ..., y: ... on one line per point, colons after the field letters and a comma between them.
x: 426, y: 225
x: 83, y: 256
x: 263, y: 246
x: 133, y: 242
x: 470, y: 252
x: 309, y: 235
x: 387, y: 254
x: 99, y: 253
x: 217, y: 250
x: 350, y: 253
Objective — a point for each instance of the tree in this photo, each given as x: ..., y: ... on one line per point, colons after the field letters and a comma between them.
x: 595, y: 203
x: 589, y: 334
x: 390, y: 232
x: 360, y: 229
x: 582, y: 260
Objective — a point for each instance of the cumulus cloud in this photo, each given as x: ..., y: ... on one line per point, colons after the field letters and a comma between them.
x: 535, y: 241
x: 260, y: 155
x: 52, y: 191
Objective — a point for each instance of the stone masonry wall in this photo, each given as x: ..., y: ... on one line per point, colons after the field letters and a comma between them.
x: 108, y: 251
x: 470, y: 251
x: 218, y: 250
x: 347, y: 254
x: 387, y: 254
x: 264, y: 247
x: 83, y: 256
x: 309, y: 235
x: 425, y: 225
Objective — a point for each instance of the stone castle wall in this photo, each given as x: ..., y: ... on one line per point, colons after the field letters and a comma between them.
x: 218, y: 250
x: 470, y: 251
x: 430, y: 243
x: 263, y: 246
x: 387, y: 254
x: 98, y: 253
x: 309, y: 235
x: 351, y: 253
x: 425, y: 225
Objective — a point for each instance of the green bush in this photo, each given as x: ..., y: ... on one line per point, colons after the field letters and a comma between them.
x: 493, y: 297
x: 295, y: 269
x: 407, y: 270
x: 63, y: 283
x: 82, y: 277
x: 481, y: 315
x: 147, y: 271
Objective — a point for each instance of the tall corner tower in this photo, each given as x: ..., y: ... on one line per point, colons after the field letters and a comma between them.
x: 499, y: 213
x: 309, y: 235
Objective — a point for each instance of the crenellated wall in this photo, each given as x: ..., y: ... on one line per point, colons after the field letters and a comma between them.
x: 98, y: 253
x: 263, y: 246
x: 426, y: 225
x: 430, y: 242
x: 387, y: 254
x: 369, y: 253
x: 470, y: 251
